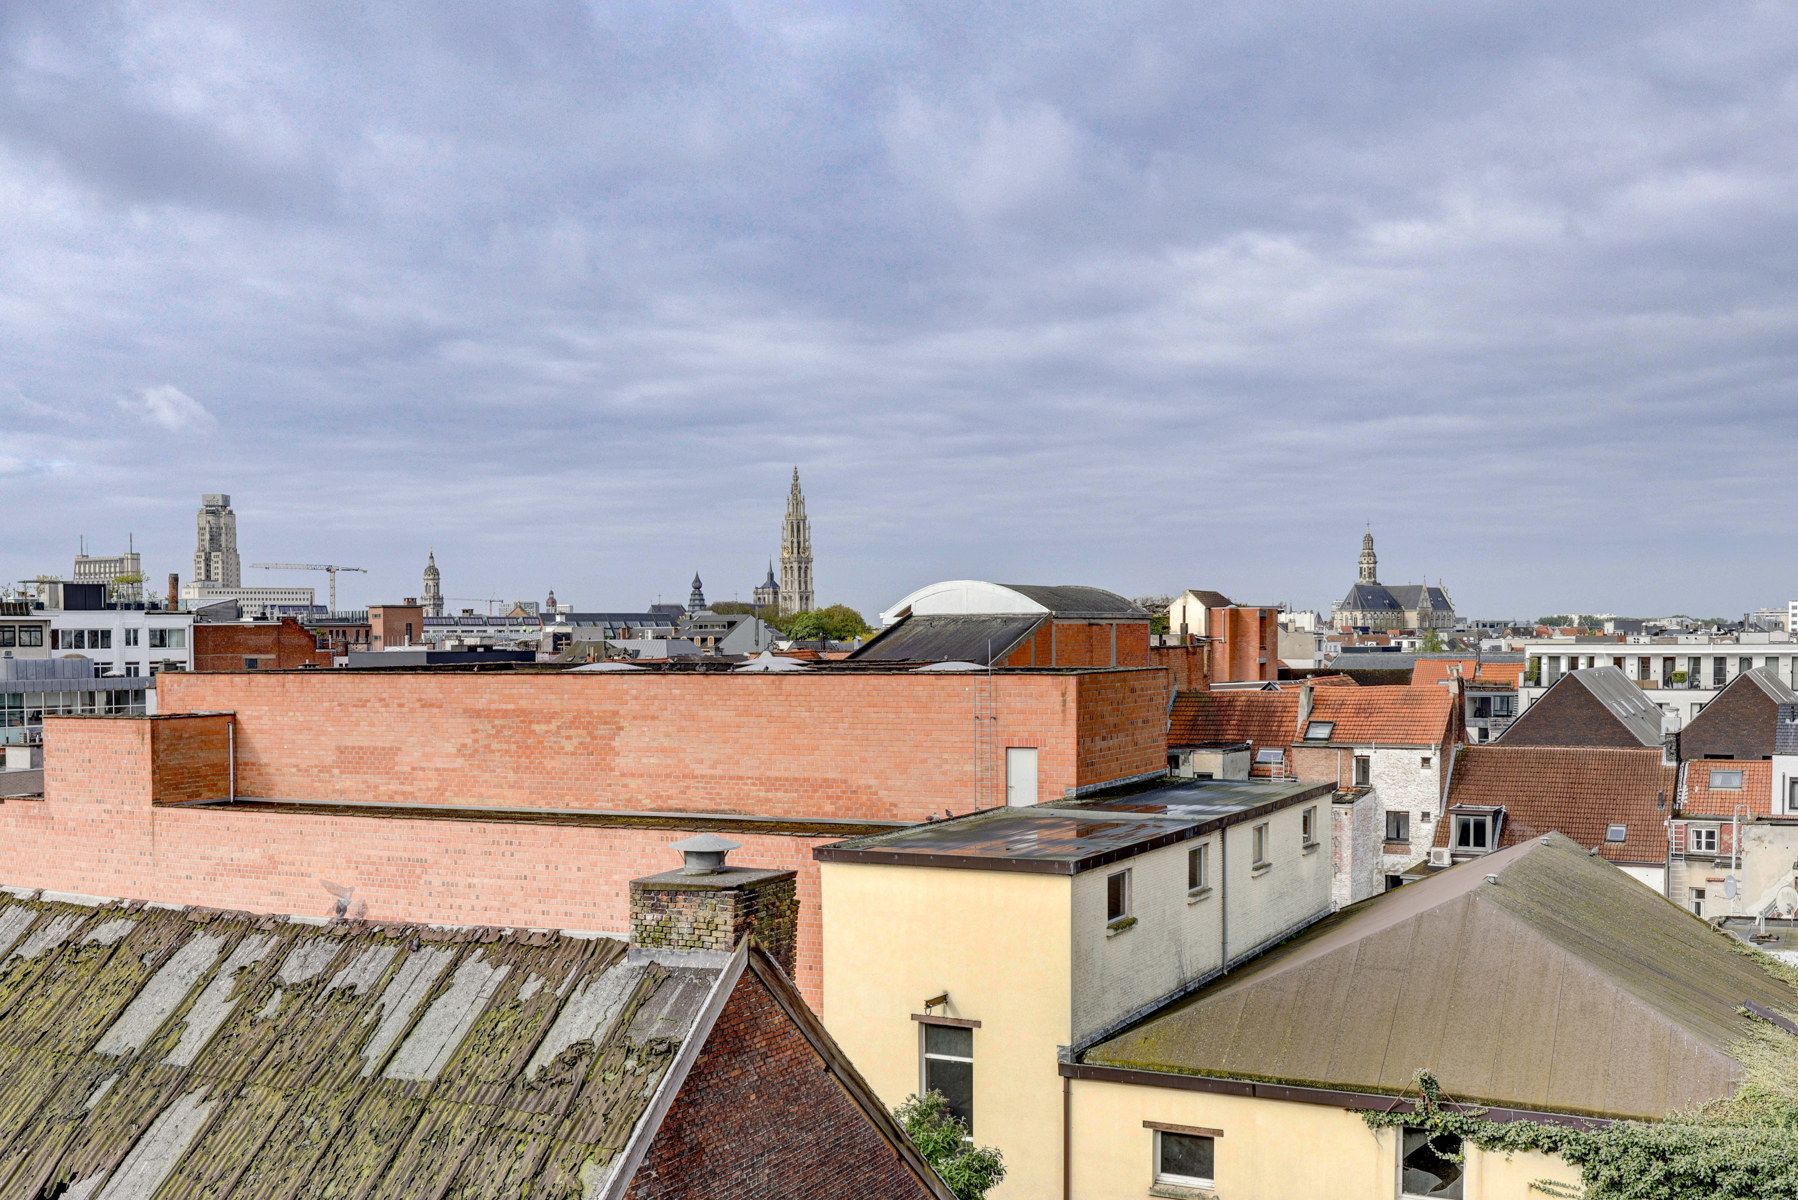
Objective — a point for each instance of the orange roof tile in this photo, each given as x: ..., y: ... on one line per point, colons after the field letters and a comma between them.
x: 1391, y: 716
x: 1701, y: 799
x: 1434, y: 670
x: 1575, y: 790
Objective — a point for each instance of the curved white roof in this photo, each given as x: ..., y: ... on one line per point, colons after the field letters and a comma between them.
x: 970, y: 597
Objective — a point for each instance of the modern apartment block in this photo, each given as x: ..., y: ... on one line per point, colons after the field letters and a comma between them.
x: 1680, y: 674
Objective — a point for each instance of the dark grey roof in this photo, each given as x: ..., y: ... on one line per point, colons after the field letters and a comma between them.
x: 930, y: 638
x: 1770, y: 683
x: 1785, y: 736
x: 1074, y: 600
x: 1073, y: 836
x: 1624, y: 700
x: 1410, y: 596
x: 1370, y: 597
x: 1564, y: 985
x: 29, y: 782
x: 1211, y: 599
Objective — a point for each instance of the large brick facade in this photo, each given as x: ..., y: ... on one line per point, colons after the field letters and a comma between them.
x: 763, y: 1114
x: 867, y: 747
x: 885, y: 746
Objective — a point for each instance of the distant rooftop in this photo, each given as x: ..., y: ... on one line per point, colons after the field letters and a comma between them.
x: 1069, y: 837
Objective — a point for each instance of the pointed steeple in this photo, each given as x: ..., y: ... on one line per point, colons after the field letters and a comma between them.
x: 1370, y: 562
x: 696, y: 599
x: 796, y: 554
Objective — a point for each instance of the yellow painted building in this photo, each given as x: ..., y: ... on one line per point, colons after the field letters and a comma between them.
x: 968, y: 954
x: 1019, y: 961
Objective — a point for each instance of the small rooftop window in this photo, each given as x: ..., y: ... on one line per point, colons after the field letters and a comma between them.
x: 1319, y: 731
x: 1615, y: 833
x: 1271, y: 757
x: 1726, y: 780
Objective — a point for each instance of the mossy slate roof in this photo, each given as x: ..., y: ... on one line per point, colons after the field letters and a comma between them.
x: 160, y: 1052
x: 1566, y: 986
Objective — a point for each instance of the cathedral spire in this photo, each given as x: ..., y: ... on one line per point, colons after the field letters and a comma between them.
x: 1370, y: 562
x: 796, y: 554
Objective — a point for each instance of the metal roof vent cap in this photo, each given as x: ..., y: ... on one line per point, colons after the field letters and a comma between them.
x: 704, y: 853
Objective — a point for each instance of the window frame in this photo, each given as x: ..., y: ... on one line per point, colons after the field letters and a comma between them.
x: 1403, y: 816
x: 1128, y: 889
x: 1460, y: 1182
x: 1363, y: 770
x: 1198, y: 869
x: 1258, y: 847
x: 1312, y: 729
x: 1739, y: 775
x: 1165, y: 1178
x: 1471, y: 820
x: 926, y: 1056
x: 1706, y: 833
x: 1271, y: 756
x: 1308, y: 828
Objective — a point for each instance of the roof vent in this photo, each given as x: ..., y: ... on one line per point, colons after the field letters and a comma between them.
x: 1491, y: 879
x: 704, y: 853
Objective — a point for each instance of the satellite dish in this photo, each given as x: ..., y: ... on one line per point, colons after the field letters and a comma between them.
x: 1730, y: 887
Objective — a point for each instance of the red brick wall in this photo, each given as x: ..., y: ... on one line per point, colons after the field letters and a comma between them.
x: 1188, y: 665
x: 96, y: 832
x: 279, y: 646
x: 1083, y: 644
x: 190, y: 758
x: 1123, y: 724
x: 759, y: 1115
x: 868, y: 746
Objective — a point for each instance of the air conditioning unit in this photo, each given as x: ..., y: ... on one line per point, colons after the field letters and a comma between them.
x: 1439, y: 856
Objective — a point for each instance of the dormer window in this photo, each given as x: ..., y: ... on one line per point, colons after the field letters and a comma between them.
x: 1725, y: 780
x: 1473, y: 833
x: 1319, y: 731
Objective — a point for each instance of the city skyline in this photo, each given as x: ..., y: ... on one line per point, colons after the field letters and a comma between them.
x: 1146, y: 300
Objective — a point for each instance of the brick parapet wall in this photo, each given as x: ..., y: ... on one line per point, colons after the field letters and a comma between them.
x: 279, y: 645
x: 861, y: 746
x: 190, y: 757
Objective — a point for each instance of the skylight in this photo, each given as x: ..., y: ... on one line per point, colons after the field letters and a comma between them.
x: 1319, y: 731
x: 1615, y: 833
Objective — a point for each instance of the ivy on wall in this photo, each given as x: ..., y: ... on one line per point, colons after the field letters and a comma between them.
x: 1743, y: 1148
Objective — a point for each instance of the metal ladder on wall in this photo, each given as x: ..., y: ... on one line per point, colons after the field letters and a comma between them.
x: 986, y: 720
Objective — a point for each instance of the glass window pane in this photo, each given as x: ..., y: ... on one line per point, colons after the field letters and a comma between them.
x: 1186, y: 1155
x: 948, y: 1039
x: 955, y: 1080
x: 1427, y: 1169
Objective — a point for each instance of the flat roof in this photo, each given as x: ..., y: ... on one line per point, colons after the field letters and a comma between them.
x: 1071, y: 836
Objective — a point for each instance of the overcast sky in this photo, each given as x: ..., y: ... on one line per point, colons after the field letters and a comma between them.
x: 1147, y: 296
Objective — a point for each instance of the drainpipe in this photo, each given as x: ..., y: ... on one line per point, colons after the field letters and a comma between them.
x: 1067, y: 1141
x: 1223, y: 896
x: 231, y: 755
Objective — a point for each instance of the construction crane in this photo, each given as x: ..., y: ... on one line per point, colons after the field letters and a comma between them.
x: 330, y: 569
x: 489, y: 601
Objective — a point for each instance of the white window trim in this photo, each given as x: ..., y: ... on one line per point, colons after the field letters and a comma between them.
x: 1171, y: 1179
x: 1129, y: 897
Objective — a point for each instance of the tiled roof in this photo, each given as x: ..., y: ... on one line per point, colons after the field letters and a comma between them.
x: 1362, y: 716
x: 1575, y: 790
x: 1701, y: 799
x: 1259, y: 718
x: 1434, y: 670
x: 1391, y: 716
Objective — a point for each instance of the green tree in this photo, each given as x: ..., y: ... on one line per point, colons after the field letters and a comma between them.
x: 942, y: 1138
x: 1431, y: 642
x: 838, y: 623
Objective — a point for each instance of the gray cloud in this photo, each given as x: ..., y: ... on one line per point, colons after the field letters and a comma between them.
x: 1151, y: 297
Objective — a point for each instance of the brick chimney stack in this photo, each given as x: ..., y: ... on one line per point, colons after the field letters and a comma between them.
x: 174, y: 600
x: 709, y: 905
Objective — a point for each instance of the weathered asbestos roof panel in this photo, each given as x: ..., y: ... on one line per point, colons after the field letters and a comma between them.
x: 931, y: 638
x: 1076, y: 600
x: 165, y: 1053
x: 1566, y: 986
